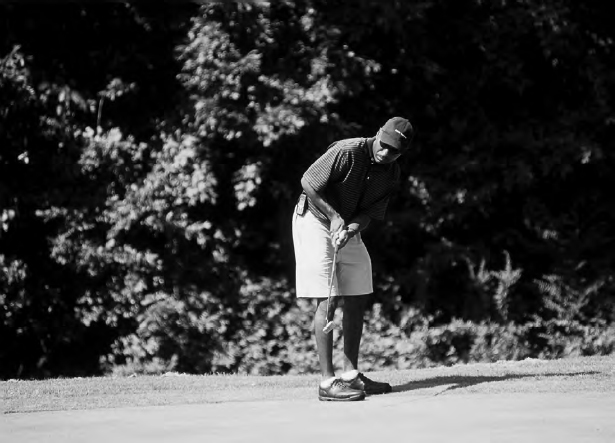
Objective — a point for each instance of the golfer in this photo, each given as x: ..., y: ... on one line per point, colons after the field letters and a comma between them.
x: 343, y: 190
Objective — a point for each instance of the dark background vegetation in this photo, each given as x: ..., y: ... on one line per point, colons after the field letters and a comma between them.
x: 150, y: 158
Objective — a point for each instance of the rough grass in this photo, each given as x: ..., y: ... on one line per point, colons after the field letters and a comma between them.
x: 589, y: 374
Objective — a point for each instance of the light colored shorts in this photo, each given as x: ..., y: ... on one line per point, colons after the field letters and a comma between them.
x: 314, y: 257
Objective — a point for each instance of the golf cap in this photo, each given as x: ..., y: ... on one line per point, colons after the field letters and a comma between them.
x: 397, y: 132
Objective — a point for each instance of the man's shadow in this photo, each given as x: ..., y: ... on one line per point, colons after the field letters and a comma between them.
x: 464, y: 381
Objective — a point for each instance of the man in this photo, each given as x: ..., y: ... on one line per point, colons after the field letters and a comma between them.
x: 343, y: 190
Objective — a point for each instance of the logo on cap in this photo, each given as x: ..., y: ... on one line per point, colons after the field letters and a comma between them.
x: 397, y: 132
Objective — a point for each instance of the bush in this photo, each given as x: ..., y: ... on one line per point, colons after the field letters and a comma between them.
x: 415, y: 343
x: 273, y: 335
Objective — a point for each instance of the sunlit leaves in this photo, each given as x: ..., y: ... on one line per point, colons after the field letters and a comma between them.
x: 234, y: 93
x: 247, y: 180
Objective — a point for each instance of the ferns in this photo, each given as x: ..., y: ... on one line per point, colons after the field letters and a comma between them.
x: 496, y: 285
x: 566, y: 301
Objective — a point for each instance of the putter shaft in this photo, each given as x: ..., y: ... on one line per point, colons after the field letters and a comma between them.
x: 330, y: 325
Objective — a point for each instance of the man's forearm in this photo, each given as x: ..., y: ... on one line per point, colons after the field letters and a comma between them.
x: 319, y: 201
x: 356, y: 225
x: 359, y: 223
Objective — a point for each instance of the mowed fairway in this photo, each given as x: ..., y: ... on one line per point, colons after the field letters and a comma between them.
x: 570, y: 400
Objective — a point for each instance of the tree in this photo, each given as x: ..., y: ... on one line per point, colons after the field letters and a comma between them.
x: 52, y: 188
x: 147, y: 184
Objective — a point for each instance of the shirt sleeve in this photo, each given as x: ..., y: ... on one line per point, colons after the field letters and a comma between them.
x: 331, y: 167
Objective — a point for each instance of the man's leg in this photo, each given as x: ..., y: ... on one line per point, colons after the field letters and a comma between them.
x: 331, y: 387
x: 324, y: 341
x: 354, y: 311
x: 314, y: 257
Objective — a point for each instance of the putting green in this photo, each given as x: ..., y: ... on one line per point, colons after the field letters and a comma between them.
x: 442, y: 416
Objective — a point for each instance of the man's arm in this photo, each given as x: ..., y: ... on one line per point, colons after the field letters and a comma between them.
x: 337, y: 222
x: 357, y: 224
x: 338, y: 227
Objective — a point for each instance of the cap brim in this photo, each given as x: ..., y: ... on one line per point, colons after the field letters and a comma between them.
x: 393, y: 141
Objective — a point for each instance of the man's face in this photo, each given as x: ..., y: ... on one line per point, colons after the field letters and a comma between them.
x: 384, y: 153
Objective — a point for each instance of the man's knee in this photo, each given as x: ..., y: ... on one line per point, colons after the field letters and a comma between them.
x: 355, y: 302
x: 321, y: 303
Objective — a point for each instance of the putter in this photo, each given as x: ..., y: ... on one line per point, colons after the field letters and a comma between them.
x: 330, y: 326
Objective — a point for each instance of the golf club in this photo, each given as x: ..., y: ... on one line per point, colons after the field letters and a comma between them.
x: 330, y: 326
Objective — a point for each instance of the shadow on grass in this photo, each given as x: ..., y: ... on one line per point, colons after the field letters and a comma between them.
x: 464, y: 381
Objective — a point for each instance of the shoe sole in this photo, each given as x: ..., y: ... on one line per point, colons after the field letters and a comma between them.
x: 353, y: 398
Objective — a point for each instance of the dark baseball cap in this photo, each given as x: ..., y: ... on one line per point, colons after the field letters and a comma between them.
x: 397, y: 132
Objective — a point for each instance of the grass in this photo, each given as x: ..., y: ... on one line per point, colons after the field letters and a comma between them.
x: 583, y: 374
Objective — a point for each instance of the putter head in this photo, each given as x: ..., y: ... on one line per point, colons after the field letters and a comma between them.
x: 330, y: 326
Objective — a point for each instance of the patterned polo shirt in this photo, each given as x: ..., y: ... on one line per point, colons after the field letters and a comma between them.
x: 351, y: 181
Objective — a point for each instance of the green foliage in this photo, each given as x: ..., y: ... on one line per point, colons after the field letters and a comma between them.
x: 265, y: 333
x: 417, y: 343
x: 41, y: 334
x: 147, y: 184
x: 64, y: 301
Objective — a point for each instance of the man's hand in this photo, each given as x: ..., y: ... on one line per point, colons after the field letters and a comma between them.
x: 341, y: 239
x: 338, y: 225
x: 345, y: 235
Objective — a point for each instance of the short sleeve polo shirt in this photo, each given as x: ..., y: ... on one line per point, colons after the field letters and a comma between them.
x: 351, y: 182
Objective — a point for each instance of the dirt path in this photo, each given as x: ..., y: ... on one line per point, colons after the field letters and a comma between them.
x: 434, y: 418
